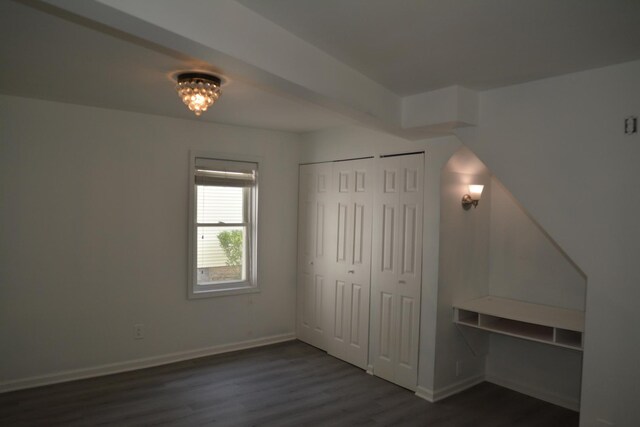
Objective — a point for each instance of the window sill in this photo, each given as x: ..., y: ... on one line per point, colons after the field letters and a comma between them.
x: 210, y: 293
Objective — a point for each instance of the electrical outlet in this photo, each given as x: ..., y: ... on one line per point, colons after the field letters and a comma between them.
x: 631, y: 125
x: 138, y: 331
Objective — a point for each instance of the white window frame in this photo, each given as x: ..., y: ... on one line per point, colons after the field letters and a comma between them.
x: 250, y: 284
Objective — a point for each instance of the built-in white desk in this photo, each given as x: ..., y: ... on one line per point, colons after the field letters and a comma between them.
x: 550, y: 325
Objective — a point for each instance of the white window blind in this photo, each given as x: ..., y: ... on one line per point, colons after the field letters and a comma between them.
x: 225, y: 173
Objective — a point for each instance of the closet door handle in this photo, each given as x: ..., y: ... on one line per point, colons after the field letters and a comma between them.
x: 351, y: 271
x: 310, y: 262
x: 402, y: 282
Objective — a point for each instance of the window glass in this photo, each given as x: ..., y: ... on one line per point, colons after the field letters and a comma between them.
x: 219, y: 204
x: 221, y: 253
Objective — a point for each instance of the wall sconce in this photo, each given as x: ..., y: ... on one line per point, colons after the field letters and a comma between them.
x: 473, y: 197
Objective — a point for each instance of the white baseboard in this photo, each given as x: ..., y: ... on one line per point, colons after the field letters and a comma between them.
x: 556, y: 399
x: 424, y: 393
x: 131, y: 365
x: 434, y: 396
x: 442, y: 393
x: 457, y: 387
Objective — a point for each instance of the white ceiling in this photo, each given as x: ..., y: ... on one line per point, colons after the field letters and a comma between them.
x: 407, y: 46
x: 49, y: 57
x: 414, y: 46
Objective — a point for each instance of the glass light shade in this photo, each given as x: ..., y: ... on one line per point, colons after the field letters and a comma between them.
x: 475, y: 191
x: 198, y: 91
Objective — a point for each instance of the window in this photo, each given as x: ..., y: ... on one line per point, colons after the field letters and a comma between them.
x: 224, y: 227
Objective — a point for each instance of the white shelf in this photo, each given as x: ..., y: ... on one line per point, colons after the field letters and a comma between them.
x: 551, y: 325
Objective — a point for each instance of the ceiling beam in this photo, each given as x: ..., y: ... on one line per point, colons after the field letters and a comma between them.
x: 229, y: 39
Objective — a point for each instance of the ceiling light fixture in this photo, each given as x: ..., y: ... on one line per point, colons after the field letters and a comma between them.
x: 198, y: 91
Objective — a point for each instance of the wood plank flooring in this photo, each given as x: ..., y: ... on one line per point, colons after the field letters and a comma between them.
x: 287, y: 384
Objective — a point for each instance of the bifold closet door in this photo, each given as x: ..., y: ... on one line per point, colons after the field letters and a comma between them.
x: 350, y: 267
x: 397, y: 269
x: 313, y: 202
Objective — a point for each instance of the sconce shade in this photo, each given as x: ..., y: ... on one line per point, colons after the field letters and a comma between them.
x: 472, y: 198
x: 475, y: 191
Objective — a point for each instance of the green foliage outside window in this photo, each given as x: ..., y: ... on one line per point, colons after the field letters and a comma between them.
x: 231, y: 243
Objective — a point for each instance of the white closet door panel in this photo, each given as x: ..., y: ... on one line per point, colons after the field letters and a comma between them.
x: 338, y: 320
x: 407, y: 306
x: 359, y: 230
x: 386, y: 325
x: 396, y: 281
x: 343, y: 179
x: 388, y: 239
x: 339, y: 228
x: 351, y: 267
x: 360, y: 262
x: 358, y: 349
x: 409, y: 229
x: 322, y: 215
x: 342, y: 238
x: 412, y: 175
x: 305, y: 305
x: 338, y: 235
x: 410, y: 275
x: 305, y: 240
x: 307, y: 315
x: 410, y: 203
x: 390, y: 173
x: 338, y: 312
x: 383, y: 339
x: 310, y: 323
x: 356, y: 310
x: 318, y: 290
x: 305, y: 204
x: 361, y: 180
x: 323, y: 177
x: 384, y: 278
x: 314, y: 190
x: 319, y: 229
x: 306, y: 177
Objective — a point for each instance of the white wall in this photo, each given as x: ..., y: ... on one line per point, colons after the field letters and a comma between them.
x: 540, y: 370
x: 526, y: 265
x: 345, y: 143
x: 463, y: 274
x: 558, y: 145
x: 93, y: 218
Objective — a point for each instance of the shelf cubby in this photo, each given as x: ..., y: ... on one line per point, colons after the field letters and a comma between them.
x: 467, y: 317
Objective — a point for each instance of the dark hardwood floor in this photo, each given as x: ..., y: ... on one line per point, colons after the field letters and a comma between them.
x: 288, y: 384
